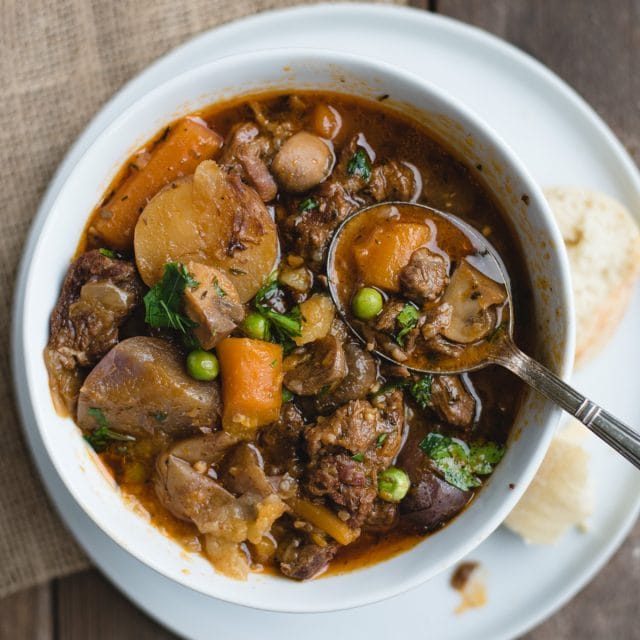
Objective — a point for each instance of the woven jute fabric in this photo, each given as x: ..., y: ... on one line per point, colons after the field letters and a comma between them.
x: 60, y: 60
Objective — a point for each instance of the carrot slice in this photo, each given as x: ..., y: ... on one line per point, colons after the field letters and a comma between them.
x: 188, y: 143
x: 251, y: 373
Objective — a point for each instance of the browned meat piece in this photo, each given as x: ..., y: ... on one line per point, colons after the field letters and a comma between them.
x: 386, y: 320
x: 452, y: 402
x: 383, y: 517
x: 426, y: 275
x: 431, y: 502
x: 435, y: 320
x: 360, y: 378
x: 350, y: 484
x: 315, y: 366
x: 354, y: 426
x: 311, y: 230
x: 371, y: 436
x: 249, y: 152
x: 279, y: 442
x: 392, y: 181
x: 98, y: 294
x: 214, y: 304
x: 142, y: 388
x: 391, y: 407
x: 301, y: 559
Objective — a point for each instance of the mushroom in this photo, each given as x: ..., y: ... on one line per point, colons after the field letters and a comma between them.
x: 472, y: 296
x: 302, y: 162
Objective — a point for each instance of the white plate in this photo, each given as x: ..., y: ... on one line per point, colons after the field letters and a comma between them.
x: 563, y: 142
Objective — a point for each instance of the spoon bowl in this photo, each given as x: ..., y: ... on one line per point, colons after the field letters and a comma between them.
x: 482, y: 315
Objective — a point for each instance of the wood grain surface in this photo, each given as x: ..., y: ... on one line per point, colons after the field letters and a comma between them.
x: 594, y: 45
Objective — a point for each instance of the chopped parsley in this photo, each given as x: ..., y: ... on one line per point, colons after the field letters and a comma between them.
x: 287, y: 396
x: 308, y: 204
x: 359, y: 165
x: 102, y: 436
x: 461, y: 464
x: 358, y: 457
x: 107, y: 252
x: 381, y: 438
x: 421, y: 391
x: 220, y: 292
x: 282, y: 327
x: 163, y: 301
x: 406, y: 320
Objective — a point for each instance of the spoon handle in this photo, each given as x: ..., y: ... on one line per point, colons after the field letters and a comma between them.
x: 615, y: 433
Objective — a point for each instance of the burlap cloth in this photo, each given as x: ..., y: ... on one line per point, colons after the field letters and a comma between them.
x: 60, y: 60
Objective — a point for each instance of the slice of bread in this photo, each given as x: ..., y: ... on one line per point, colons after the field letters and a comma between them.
x: 560, y: 496
x: 603, y: 243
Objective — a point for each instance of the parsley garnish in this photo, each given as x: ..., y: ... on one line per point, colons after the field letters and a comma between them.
x: 218, y: 289
x: 107, y: 252
x: 308, y: 204
x: 359, y: 165
x: 460, y: 464
x: 100, y: 437
x: 287, y: 396
x: 406, y: 320
x: 421, y: 391
x: 282, y: 327
x: 163, y: 301
x: 358, y: 457
x: 381, y: 438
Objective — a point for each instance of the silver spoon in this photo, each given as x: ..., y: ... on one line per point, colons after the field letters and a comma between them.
x: 501, y: 350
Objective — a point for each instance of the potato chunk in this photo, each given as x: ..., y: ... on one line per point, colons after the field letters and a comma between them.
x: 214, y: 304
x: 213, y: 219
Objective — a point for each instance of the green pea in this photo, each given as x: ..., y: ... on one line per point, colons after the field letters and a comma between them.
x: 202, y: 365
x: 256, y: 326
x: 367, y: 303
x: 393, y: 484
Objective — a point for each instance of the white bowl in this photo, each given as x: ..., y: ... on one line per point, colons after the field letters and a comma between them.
x: 287, y: 70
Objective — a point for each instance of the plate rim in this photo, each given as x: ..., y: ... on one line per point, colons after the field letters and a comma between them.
x: 429, y: 20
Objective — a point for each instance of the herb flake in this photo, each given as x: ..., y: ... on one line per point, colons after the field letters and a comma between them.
x: 102, y: 435
x: 162, y: 302
x: 358, y: 457
x: 460, y: 464
x: 406, y: 320
x: 359, y: 165
x: 308, y: 204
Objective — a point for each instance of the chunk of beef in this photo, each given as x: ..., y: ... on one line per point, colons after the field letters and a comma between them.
x: 315, y: 366
x: 360, y: 378
x: 435, y: 320
x: 382, y: 517
x: 452, y: 401
x: 98, y: 295
x: 209, y: 448
x: 371, y: 436
x: 441, y: 346
x: 386, y: 320
x: 242, y: 471
x: 431, y: 501
x: 280, y: 442
x: 249, y: 152
x: 426, y: 275
x: 214, y: 304
x: 300, y: 559
x: 311, y: 230
x: 142, y: 388
x: 350, y: 484
x: 354, y: 427
x: 392, y: 181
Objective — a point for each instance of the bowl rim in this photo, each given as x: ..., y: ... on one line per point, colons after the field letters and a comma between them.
x: 293, y: 56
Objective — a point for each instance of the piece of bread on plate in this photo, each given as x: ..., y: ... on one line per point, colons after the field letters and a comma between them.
x: 603, y: 244
x: 560, y: 496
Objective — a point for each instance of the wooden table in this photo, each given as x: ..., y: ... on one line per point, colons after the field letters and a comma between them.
x: 595, y: 46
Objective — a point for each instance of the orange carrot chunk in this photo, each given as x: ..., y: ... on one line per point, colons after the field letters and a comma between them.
x: 188, y: 143
x: 384, y: 252
x: 251, y: 373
